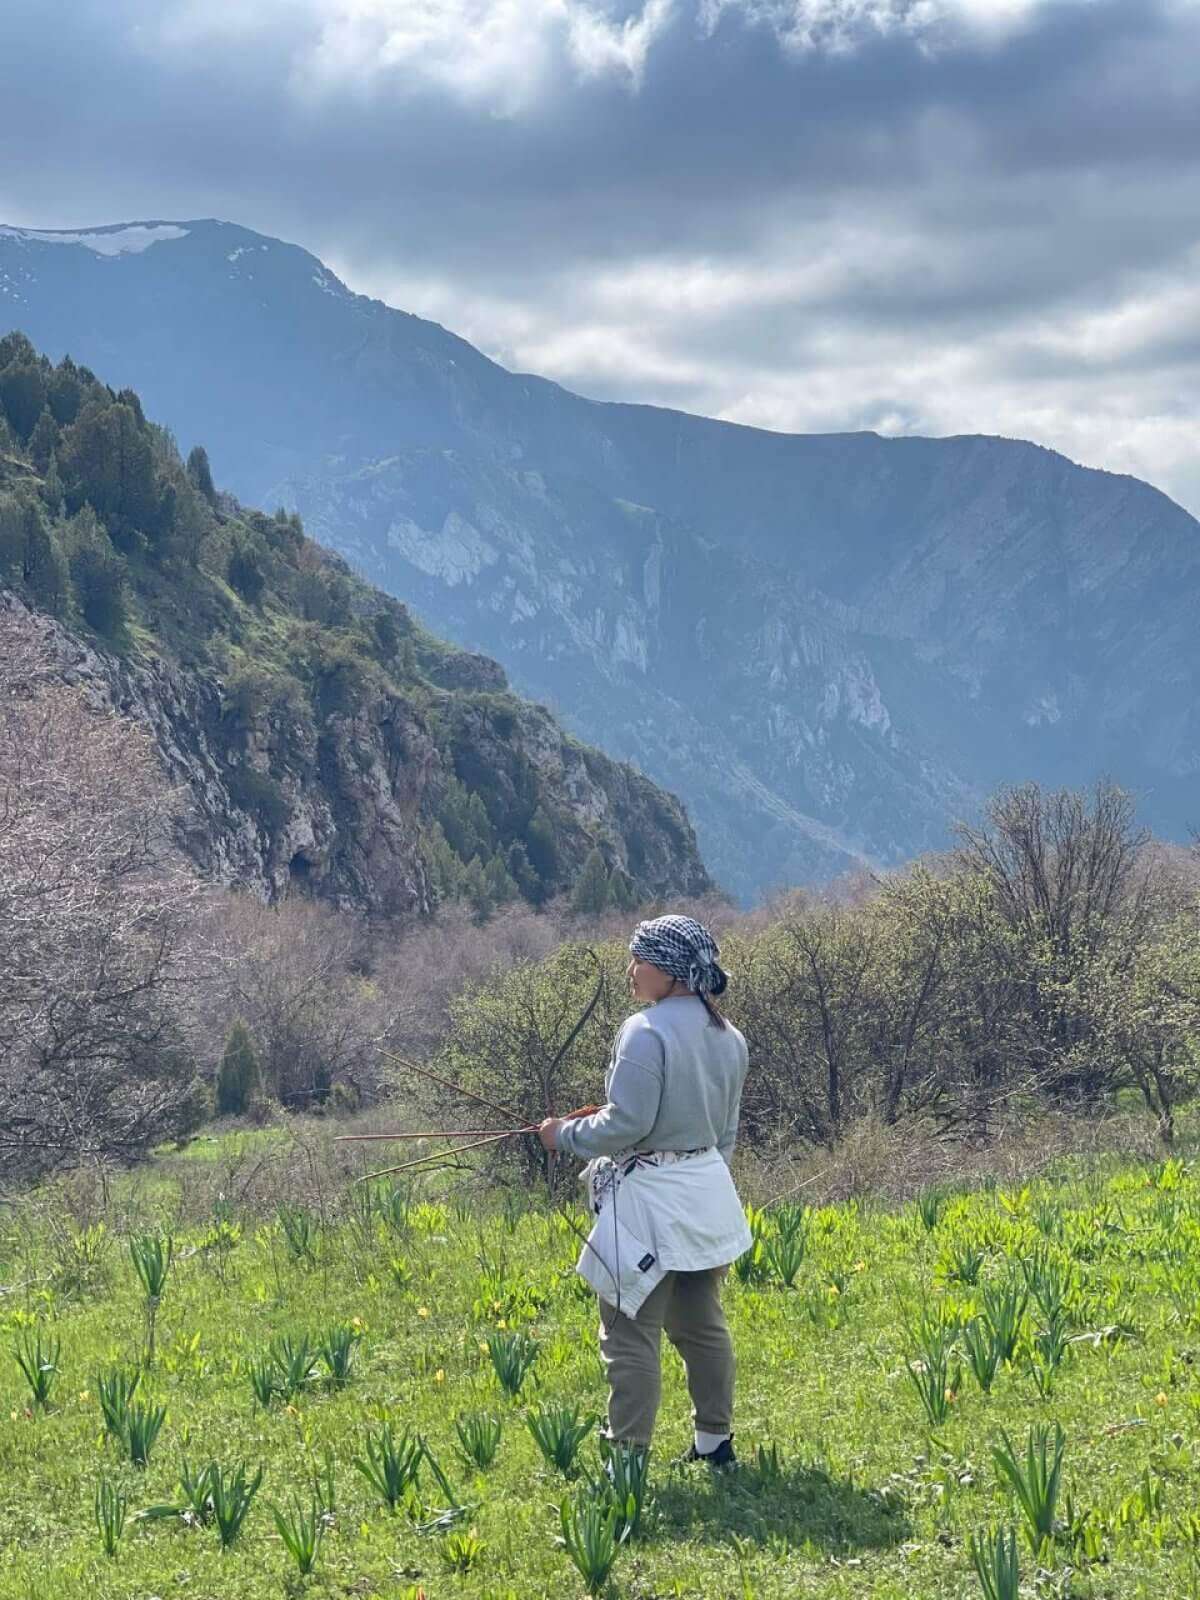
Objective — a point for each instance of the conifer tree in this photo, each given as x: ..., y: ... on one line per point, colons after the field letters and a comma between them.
x: 475, y: 890
x: 15, y: 347
x: 622, y: 894
x: 239, y: 1077
x: 52, y: 489
x: 500, y: 885
x: 43, y: 570
x: 23, y: 395
x: 590, y: 894
x: 43, y: 441
x: 445, y: 868
x: 12, y: 539
x: 520, y: 871
x: 480, y: 828
x: 97, y: 573
x: 105, y: 459
x: 542, y: 849
x: 64, y: 392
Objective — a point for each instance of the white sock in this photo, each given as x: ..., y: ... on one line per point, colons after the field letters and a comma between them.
x: 706, y: 1443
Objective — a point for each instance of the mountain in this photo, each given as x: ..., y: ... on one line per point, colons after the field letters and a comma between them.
x: 323, y: 740
x: 829, y: 645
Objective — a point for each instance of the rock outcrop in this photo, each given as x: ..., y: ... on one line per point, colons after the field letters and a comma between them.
x: 341, y: 814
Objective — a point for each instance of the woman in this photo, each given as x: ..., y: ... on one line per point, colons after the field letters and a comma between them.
x: 670, y: 1221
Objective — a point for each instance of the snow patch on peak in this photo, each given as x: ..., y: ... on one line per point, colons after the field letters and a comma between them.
x: 108, y: 242
x: 331, y: 285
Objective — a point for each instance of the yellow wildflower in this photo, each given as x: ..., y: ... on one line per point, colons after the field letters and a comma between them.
x: 1160, y: 1399
x: 440, y: 1375
x: 422, y: 1311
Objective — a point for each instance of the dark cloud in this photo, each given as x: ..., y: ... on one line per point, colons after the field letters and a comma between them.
x: 948, y: 229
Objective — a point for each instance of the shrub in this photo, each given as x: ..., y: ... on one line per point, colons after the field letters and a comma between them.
x: 239, y: 1077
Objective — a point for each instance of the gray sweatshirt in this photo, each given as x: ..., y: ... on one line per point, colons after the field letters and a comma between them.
x: 674, y: 1083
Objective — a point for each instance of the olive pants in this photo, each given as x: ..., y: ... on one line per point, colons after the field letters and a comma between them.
x: 688, y: 1306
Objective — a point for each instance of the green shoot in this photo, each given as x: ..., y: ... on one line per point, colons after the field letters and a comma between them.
x: 152, y: 1254
x: 983, y: 1352
x: 1004, y: 1309
x: 390, y: 1465
x: 994, y: 1556
x: 295, y: 1363
x: 115, y: 1391
x: 558, y: 1431
x: 462, y: 1551
x: 512, y: 1356
x: 478, y: 1438
x: 142, y: 1426
x: 590, y: 1539
x: 39, y: 1363
x: 1036, y: 1482
x: 336, y: 1349
x: 264, y: 1381
x: 300, y: 1233
x: 111, y: 1506
x: 301, y: 1530
x: 231, y: 1499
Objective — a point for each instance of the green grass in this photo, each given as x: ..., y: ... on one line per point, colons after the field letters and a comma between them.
x: 847, y: 1489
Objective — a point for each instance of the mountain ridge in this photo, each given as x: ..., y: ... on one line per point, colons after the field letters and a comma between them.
x: 831, y: 645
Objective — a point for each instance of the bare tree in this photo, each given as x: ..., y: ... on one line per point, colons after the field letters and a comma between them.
x: 298, y: 974
x: 800, y: 1003
x: 1074, y: 884
x: 95, y: 906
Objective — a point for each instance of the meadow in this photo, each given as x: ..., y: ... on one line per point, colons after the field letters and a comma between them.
x: 981, y: 1393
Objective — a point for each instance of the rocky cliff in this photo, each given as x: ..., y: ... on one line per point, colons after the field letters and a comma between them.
x: 323, y: 740
x: 274, y: 809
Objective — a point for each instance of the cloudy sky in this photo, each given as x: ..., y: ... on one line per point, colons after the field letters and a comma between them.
x: 935, y: 216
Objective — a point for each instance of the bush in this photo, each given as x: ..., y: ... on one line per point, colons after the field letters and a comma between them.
x: 239, y: 1077
x: 245, y: 572
x: 509, y: 1034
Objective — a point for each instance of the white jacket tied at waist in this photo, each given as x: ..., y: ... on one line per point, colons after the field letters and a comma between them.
x: 683, y: 1216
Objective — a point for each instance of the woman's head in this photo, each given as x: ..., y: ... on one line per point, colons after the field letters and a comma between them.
x: 675, y: 955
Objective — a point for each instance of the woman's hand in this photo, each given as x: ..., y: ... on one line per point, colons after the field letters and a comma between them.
x: 548, y: 1132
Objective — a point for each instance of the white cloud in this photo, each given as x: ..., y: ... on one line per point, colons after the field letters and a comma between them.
x: 503, y: 54
x: 921, y: 239
x: 507, y: 55
x: 794, y: 334
x: 840, y: 25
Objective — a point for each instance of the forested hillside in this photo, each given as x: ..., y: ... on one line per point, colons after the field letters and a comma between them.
x: 324, y: 739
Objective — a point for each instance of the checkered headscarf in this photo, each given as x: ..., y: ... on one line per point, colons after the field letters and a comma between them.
x: 682, y: 947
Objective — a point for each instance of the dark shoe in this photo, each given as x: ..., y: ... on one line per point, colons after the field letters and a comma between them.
x: 721, y: 1458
